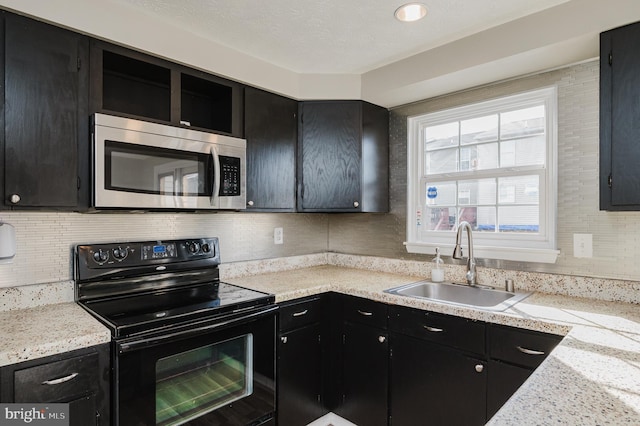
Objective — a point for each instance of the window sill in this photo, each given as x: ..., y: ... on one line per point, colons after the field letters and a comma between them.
x: 485, y: 252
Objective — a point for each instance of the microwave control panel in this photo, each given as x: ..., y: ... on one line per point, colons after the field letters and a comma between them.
x: 229, y: 176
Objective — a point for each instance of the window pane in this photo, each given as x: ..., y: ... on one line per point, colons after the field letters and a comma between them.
x: 443, y: 161
x: 519, y: 190
x: 519, y: 219
x: 476, y: 130
x: 523, y: 152
x: 440, y: 219
x: 479, y: 157
x: 442, y: 194
x: 522, y: 122
x: 441, y: 136
x: 486, y: 219
x: 475, y: 192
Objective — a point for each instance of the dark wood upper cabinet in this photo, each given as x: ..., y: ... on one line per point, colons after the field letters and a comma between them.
x: 271, y: 129
x: 45, y: 113
x: 343, y: 157
x: 619, y: 124
x: 133, y: 84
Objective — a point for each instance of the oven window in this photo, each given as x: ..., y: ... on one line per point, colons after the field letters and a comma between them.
x: 162, y: 171
x: 192, y: 383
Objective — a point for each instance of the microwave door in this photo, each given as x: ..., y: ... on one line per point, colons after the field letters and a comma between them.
x: 215, y: 190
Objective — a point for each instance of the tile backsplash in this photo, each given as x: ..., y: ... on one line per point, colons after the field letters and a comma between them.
x: 45, y: 240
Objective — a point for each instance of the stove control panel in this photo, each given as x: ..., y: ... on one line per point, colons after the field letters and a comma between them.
x: 147, y: 253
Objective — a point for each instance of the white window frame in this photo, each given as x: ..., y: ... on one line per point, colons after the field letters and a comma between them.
x: 540, y: 247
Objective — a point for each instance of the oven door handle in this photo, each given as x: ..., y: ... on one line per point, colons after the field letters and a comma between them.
x: 216, y: 175
x: 142, y: 343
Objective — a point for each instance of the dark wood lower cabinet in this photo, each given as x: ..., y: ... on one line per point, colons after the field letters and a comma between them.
x: 80, y: 378
x: 365, y: 375
x: 299, y: 376
x: 378, y: 365
x: 435, y: 385
x: 504, y: 380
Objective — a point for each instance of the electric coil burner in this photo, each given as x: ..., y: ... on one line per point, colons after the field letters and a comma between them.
x: 187, y: 348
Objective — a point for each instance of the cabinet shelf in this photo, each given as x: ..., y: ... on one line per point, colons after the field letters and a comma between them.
x: 206, y: 104
x: 135, y: 87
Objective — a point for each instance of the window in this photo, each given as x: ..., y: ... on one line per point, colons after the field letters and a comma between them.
x: 493, y: 165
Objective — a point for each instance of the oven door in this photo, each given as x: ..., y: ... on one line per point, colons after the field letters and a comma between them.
x: 218, y: 372
x: 144, y: 165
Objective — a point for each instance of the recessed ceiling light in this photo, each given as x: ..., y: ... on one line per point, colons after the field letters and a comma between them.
x: 411, y: 12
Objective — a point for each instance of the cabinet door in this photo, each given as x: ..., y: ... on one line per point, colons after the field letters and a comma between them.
x: 299, y: 376
x: 45, y: 114
x: 330, y: 156
x: 435, y: 385
x: 271, y: 130
x: 504, y: 380
x: 619, y: 109
x: 365, y: 375
x: 83, y: 411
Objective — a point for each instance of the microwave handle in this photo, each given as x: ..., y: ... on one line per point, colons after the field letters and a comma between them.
x: 216, y: 174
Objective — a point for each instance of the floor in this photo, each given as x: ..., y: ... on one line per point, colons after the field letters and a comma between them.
x: 331, y: 420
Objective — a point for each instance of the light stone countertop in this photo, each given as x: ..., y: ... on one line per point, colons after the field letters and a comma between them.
x: 591, y: 378
x: 41, y: 331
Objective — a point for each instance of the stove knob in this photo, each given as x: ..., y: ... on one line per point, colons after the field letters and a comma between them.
x: 120, y: 253
x: 193, y: 247
x: 206, y: 248
x: 100, y: 256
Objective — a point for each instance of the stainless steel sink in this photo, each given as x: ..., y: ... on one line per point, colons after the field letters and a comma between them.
x: 461, y: 294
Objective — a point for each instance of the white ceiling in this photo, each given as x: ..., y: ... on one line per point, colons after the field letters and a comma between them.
x: 334, y: 36
x: 330, y: 49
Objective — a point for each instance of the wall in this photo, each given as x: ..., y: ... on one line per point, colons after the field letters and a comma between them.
x: 616, y: 236
x: 45, y: 240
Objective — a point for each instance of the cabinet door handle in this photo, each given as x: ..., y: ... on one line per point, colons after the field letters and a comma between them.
x: 15, y: 198
x: 432, y: 329
x: 529, y: 351
x: 356, y: 204
x: 479, y: 368
x: 284, y: 339
x: 366, y: 314
x: 381, y: 339
x: 60, y: 380
x: 301, y: 313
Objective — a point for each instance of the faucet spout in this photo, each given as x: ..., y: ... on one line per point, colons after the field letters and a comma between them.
x: 472, y: 276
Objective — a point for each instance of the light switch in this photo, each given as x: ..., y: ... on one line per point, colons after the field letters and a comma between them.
x: 582, y: 245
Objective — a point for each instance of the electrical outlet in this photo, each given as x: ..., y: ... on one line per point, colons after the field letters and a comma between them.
x: 278, y: 236
x: 582, y: 245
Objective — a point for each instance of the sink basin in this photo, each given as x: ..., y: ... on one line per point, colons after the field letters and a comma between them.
x: 460, y: 294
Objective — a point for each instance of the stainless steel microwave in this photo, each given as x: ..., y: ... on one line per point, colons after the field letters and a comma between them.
x: 143, y: 165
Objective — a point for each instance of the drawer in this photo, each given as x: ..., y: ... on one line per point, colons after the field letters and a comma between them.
x: 300, y: 312
x: 364, y: 311
x: 57, y: 381
x: 521, y: 347
x: 461, y: 333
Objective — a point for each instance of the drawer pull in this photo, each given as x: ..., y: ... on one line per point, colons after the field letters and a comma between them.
x: 366, y: 314
x: 529, y: 351
x: 381, y: 339
x: 433, y: 329
x: 284, y: 339
x: 301, y: 313
x: 479, y: 368
x: 60, y: 380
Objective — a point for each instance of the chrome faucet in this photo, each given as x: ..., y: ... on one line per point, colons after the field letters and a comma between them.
x: 472, y: 276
